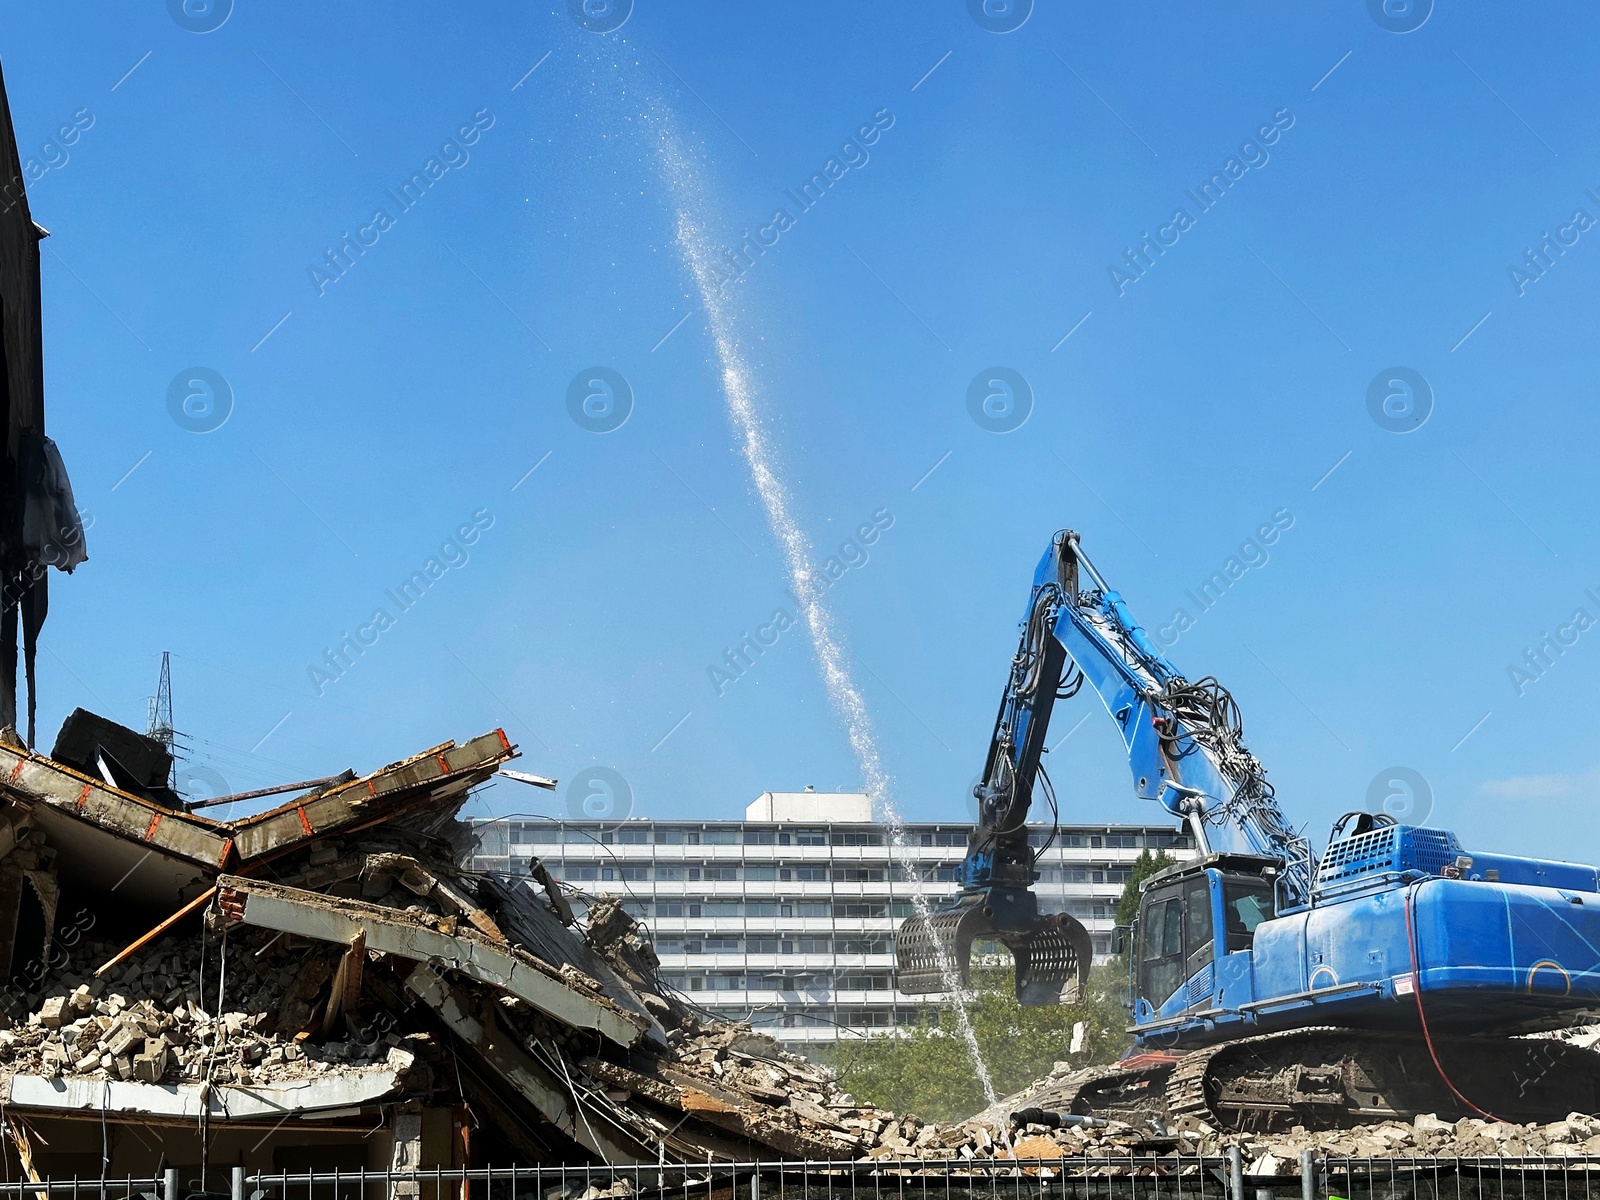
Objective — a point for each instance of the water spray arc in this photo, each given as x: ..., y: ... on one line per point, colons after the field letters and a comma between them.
x: 699, y: 253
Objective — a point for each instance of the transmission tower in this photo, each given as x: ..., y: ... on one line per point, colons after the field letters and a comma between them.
x: 160, y: 722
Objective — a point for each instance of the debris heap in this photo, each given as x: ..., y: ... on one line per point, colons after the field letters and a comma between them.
x: 1426, y: 1136
x: 149, y: 1021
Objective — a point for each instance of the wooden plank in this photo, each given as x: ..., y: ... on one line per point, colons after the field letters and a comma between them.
x: 135, y: 946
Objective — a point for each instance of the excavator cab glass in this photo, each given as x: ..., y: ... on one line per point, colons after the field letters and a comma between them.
x: 1177, y: 937
x: 1246, y: 902
x: 1174, y: 930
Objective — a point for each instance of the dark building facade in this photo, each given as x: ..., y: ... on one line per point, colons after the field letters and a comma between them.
x: 39, y: 523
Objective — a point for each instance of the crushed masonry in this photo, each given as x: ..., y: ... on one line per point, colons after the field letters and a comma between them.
x: 327, y: 975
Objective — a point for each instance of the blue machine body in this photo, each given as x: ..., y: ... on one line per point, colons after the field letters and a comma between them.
x: 1492, y: 942
x: 1259, y: 934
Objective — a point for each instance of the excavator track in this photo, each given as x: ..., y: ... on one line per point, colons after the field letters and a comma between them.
x: 1339, y: 1077
x: 1186, y: 1089
x: 1332, y: 1078
x: 1130, y: 1093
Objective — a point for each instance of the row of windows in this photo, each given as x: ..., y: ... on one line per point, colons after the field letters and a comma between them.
x: 812, y: 1017
x: 547, y: 833
x: 1077, y: 908
x: 758, y: 981
x: 730, y: 872
x: 855, y: 909
x: 1085, y: 874
x: 771, y: 943
x: 863, y: 909
x: 551, y: 832
x: 778, y: 873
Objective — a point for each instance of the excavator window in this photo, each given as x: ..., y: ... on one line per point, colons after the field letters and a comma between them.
x: 1246, y: 903
x: 1161, y: 932
x: 1175, y: 936
x: 1197, y: 925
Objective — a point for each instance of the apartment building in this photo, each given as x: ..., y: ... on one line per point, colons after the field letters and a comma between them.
x: 787, y: 918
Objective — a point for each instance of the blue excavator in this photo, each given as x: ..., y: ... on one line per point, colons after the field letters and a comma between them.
x: 1393, y: 975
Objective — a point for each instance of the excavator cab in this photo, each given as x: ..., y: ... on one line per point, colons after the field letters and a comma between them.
x: 1190, y: 915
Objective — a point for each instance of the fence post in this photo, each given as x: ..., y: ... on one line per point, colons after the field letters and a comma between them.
x: 1308, y: 1176
x: 755, y: 1182
x: 236, y: 1184
x: 1235, y: 1173
x: 169, y: 1184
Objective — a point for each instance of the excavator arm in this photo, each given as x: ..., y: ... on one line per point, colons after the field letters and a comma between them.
x: 1185, y: 751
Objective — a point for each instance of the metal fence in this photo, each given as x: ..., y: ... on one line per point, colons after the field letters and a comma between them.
x: 1112, y: 1178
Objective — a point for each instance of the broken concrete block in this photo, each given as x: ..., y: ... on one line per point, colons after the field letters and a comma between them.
x: 122, y: 1039
x: 148, y: 1068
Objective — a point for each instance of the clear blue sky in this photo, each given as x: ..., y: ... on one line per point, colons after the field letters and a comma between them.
x: 372, y: 420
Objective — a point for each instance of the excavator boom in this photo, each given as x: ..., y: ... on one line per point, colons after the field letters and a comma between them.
x: 1184, y: 750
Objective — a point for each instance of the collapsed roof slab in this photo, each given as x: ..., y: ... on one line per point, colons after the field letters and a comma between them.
x: 445, y: 943
x: 324, y: 1096
x: 428, y: 780
x: 110, y: 839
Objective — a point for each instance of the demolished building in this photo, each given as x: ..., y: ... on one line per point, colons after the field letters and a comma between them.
x: 321, y: 984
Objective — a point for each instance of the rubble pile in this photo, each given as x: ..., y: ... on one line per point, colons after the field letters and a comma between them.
x: 330, y: 958
x: 1426, y: 1136
x: 148, y: 1022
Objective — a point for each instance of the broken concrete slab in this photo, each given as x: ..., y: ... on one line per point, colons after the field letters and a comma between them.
x: 189, y: 1101
x: 418, y: 938
x: 558, y: 1103
x: 105, y: 834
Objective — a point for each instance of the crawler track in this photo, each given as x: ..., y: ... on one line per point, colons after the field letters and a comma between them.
x: 1329, y: 1078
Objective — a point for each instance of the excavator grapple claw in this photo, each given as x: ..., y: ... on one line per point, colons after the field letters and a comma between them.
x: 934, y: 953
x: 1052, y: 961
x: 1051, y: 954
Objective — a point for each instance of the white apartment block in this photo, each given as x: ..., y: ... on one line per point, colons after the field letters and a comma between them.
x: 787, y: 918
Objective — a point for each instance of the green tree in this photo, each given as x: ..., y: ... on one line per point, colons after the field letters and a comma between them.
x: 927, y: 1069
x: 1144, y: 866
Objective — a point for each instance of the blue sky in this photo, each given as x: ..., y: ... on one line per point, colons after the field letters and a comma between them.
x: 376, y: 411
